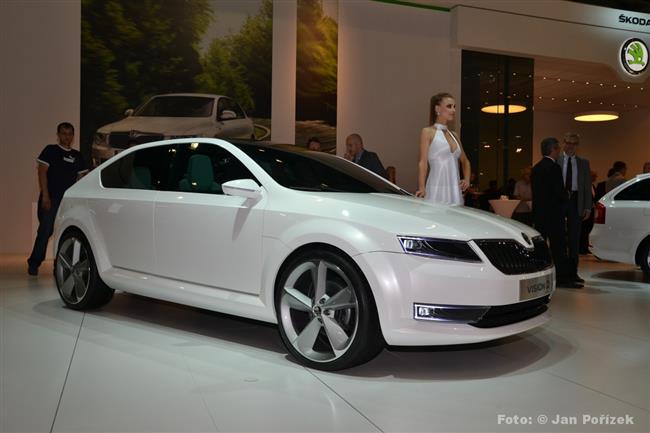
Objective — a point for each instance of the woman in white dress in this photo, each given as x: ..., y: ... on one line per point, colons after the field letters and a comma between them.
x: 440, y: 153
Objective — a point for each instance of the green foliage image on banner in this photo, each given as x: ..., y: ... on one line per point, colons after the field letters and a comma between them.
x: 316, y: 72
x: 133, y: 50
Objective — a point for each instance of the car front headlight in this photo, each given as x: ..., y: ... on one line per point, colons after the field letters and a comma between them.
x: 445, y: 249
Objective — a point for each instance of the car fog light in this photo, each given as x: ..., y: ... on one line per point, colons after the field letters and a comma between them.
x: 449, y: 313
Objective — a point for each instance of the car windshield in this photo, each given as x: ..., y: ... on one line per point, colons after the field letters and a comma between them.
x: 315, y: 171
x: 177, y: 106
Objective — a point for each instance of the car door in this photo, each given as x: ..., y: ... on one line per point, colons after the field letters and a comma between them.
x: 123, y: 208
x: 202, y: 235
x: 238, y: 127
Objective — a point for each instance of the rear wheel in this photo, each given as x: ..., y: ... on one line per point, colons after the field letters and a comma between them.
x: 75, y: 272
x: 326, y: 315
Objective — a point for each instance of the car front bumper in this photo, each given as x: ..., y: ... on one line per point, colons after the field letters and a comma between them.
x: 400, y: 281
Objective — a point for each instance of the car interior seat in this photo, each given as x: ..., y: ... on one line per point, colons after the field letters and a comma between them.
x: 199, y: 176
x: 140, y: 178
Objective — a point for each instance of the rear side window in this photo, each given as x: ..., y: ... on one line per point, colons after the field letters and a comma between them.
x: 146, y: 169
x: 204, y: 167
x: 638, y: 191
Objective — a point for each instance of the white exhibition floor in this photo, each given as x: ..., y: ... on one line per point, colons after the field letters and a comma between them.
x: 139, y: 365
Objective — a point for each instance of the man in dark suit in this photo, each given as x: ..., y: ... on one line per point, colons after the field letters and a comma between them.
x: 549, y: 201
x: 576, y: 176
x: 355, y: 152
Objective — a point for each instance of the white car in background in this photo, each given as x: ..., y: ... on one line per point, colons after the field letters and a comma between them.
x: 341, y: 259
x: 173, y: 115
x: 621, y: 230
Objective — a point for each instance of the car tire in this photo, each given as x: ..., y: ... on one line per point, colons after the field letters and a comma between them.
x: 644, y: 258
x: 76, y: 275
x: 326, y: 313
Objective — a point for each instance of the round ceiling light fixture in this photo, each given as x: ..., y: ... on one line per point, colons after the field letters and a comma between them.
x: 596, y: 116
x: 501, y: 109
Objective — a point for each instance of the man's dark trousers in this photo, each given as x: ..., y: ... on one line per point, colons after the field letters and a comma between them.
x: 45, y: 230
x: 573, y: 227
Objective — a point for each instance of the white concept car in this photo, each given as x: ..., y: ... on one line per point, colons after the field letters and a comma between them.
x: 342, y: 260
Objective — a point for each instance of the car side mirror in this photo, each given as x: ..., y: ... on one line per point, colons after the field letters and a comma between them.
x: 242, y: 188
x: 129, y: 112
x: 227, y: 115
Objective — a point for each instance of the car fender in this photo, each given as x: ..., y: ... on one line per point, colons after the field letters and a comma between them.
x: 80, y: 217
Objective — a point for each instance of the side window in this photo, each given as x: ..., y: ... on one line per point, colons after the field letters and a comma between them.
x: 204, y: 167
x: 639, y: 191
x: 221, y: 106
x: 230, y: 105
x: 142, y: 169
x: 237, y: 109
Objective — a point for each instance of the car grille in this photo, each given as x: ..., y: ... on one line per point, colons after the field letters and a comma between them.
x: 512, y: 258
x: 120, y: 140
x: 506, y: 314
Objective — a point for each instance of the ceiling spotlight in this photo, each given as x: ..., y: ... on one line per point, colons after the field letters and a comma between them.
x: 486, y: 146
x: 596, y: 116
x: 500, y: 109
x: 586, y: 82
x: 518, y: 150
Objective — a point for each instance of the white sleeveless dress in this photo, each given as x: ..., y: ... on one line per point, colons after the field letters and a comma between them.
x: 443, y: 180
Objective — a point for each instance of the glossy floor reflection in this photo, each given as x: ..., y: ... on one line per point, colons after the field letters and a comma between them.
x: 140, y: 365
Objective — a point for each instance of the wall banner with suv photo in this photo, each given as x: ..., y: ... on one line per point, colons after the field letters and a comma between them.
x: 153, y: 70
x: 316, y: 72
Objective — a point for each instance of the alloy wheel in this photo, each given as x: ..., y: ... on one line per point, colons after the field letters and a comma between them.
x: 319, y: 310
x: 72, y: 270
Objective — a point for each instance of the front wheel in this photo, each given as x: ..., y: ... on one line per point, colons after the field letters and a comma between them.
x: 75, y: 272
x: 645, y: 259
x: 326, y: 314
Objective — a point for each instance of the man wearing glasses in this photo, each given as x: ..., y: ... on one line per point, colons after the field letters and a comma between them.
x: 577, y: 182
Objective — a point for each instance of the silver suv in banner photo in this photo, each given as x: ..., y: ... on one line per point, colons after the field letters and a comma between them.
x: 174, y: 115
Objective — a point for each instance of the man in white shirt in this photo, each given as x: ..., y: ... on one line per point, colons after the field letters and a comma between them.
x: 577, y: 182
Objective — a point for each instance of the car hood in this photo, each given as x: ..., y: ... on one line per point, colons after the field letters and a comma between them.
x: 159, y: 125
x: 407, y: 215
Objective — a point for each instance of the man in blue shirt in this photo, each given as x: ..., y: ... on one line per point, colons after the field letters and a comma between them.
x: 59, y: 167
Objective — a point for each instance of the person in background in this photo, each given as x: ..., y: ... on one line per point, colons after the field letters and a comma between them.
x: 588, y: 224
x: 576, y: 176
x: 314, y: 144
x: 549, y: 201
x: 524, y: 193
x: 492, y: 193
x: 600, y: 187
x: 509, y: 188
x: 355, y: 152
x: 391, y: 172
x: 59, y: 167
x: 618, y: 176
x: 646, y: 167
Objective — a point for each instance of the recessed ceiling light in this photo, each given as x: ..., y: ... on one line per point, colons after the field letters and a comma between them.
x: 518, y: 150
x: 596, y: 116
x: 500, y: 109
